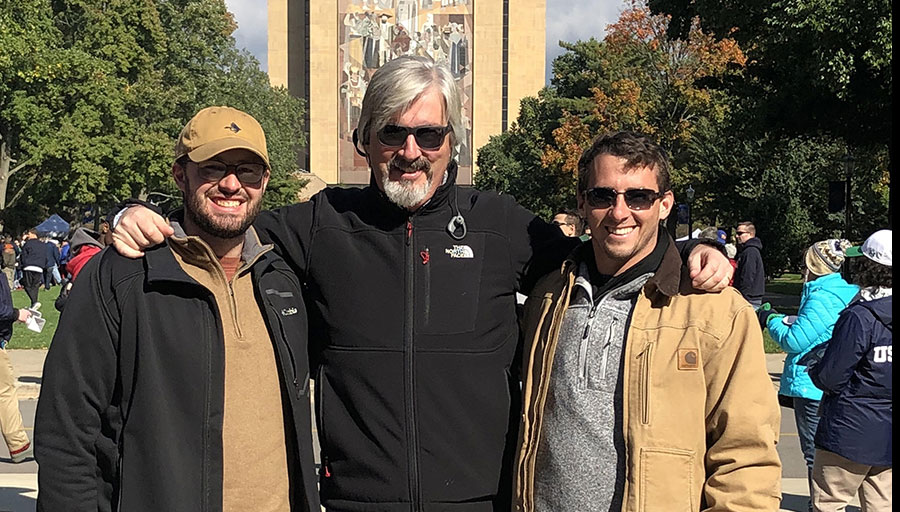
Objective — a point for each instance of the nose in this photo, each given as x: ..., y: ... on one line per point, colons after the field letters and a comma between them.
x: 410, y: 149
x: 229, y: 183
x: 619, y: 210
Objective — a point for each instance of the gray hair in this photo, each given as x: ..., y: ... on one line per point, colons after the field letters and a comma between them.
x: 397, y: 84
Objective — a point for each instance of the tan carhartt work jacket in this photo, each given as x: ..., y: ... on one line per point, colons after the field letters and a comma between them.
x: 700, y: 417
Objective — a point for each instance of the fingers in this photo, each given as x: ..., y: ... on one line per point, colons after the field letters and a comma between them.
x: 138, y: 229
x: 710, y: 270
x: 126, y: 246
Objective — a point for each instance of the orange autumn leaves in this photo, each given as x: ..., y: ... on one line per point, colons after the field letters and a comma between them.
x: 652, y: 84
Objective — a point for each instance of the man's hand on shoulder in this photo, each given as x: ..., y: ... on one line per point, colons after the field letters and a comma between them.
x: 140, y: 228
x: 710, y: 269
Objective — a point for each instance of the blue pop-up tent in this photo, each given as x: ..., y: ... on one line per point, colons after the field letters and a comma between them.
x: 53, y: 226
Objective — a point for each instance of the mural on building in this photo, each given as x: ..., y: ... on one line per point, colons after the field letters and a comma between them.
x: 372, y: 32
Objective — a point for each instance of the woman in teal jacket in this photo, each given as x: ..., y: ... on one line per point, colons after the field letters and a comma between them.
x: 825, y: 294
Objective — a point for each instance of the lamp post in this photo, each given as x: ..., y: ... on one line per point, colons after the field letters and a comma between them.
x: 689, y: 196
x: 848, y: 161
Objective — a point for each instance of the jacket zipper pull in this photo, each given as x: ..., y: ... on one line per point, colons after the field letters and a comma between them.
x: 425, y: 255
x: 590, y: 321
x: 408, y: 231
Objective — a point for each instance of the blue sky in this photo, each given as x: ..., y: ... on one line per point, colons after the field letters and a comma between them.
x: 564, y: 22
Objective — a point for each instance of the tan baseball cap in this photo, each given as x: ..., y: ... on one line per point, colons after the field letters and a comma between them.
x: 218, y: 129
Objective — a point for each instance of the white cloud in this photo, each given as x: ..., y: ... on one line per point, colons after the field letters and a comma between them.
x: 567, y: 20
x: 252, y: 32
x: 571, y: 21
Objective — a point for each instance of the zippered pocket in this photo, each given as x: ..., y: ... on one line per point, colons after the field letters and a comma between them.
x: 598, y: 359
x: 645, y: 381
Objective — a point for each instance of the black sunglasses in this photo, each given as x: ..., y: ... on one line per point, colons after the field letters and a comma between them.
x: 635, y: 199
x: 427, y: 137
x: 247, y: 173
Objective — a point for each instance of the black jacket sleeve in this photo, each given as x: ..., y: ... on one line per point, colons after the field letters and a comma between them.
x: 78, y: 384
x: 8, y: 314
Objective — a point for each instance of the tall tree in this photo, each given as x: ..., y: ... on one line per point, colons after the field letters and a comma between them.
x: 635, y: 79
x: 814, y: 66
x: 94, y: 93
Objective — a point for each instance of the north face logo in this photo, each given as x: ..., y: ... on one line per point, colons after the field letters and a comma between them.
x: 460, y: 251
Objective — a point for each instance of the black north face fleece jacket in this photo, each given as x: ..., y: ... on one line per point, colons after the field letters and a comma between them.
x: 415, y: 335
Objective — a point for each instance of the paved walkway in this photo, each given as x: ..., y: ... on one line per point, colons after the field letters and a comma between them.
x: 18, y: 482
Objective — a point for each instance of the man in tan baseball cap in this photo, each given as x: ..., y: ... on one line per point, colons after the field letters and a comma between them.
x: 210, y: 335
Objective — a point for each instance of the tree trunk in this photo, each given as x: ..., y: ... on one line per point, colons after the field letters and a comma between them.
x: 4, y: 174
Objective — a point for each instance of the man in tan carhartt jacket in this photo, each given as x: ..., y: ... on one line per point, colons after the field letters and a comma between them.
x: 640, y: 394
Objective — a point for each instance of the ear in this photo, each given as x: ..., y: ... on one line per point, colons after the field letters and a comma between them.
x: 265, y: 181
x: 178, y: 174
x: 666, y: 202
x: 580, y: 199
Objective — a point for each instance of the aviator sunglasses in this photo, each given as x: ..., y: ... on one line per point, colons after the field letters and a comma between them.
x: 635, y: 199
x: 246, y: 173
x: 427, y: 137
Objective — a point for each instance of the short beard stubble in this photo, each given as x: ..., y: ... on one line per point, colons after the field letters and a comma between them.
x: 224, y: 227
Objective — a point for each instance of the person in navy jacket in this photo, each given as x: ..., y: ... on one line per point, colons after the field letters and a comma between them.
x: 825, y: 295
x: 853, y: 441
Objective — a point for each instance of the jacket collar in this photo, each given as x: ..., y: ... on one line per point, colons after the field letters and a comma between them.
x: 162, y: 265
x: 666, y: 280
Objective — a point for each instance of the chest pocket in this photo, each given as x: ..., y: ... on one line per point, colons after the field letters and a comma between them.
x: 448, y: 282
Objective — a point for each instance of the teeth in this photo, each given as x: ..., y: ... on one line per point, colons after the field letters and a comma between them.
x: 622, y: 231
x: 227, y: 203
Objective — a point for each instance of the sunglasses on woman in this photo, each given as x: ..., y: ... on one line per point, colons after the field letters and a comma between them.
x: 635, y: 199
x: 427, y: 137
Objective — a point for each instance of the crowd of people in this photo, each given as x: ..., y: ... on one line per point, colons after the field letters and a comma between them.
x: 632, y: 378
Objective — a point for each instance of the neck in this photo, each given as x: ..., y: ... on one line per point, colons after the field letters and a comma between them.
x: 221, y: 247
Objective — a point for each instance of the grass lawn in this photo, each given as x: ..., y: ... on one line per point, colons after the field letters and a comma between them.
x: 25, y: 338
x: 786, y: 284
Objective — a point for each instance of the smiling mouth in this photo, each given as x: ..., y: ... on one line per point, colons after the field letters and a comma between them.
x: 620, y: 231
x: 227, y: 203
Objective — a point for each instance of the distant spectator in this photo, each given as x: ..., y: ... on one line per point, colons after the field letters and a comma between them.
x: 569, y: 223
x: 33, y: 260
x: 51, y: 270
x: 63, y: 257
x: 10, y: 417
x: 9, y: 262
x: 750, y: 277
x: 825, y: 294
x: 712, y: 233
x: 85, y: 244
x: 854, y: 451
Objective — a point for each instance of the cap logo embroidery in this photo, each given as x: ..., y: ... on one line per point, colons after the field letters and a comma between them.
x: 688, y: 359
x: 460, y: 251
x: 234, y: 127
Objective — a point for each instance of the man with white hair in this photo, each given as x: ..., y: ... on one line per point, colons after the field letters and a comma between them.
x: 410, y: 285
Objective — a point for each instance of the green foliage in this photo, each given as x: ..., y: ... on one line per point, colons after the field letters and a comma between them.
x: 816, y: 66
x: 781, y: 185
x: 93, y: 95
x: 635, y: 79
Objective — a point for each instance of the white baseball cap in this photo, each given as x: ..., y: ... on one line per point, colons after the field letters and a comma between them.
x: 878, y: 248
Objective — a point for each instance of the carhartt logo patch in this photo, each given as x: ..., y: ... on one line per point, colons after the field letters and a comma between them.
x: 288, y: 311
x: 688, y: 359
x: 460, y: 251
